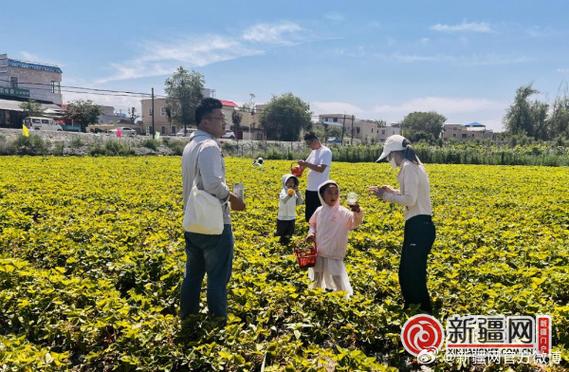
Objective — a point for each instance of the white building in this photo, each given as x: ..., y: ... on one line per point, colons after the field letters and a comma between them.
x: 465, y: 132
x: 24, y: 80
x: 388, y: 130
x: 361, y: 130
x: 165, y: 125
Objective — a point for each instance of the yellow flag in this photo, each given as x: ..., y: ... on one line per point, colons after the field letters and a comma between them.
x: 25, y: 131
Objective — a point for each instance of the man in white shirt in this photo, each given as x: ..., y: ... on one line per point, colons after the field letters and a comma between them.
x: 202, y: 163
x: 319, y: 162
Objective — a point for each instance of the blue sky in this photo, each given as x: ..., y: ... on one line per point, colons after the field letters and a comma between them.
x: 374, y: 59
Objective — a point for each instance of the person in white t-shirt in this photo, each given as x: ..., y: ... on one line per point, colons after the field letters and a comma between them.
x: 318, y: 162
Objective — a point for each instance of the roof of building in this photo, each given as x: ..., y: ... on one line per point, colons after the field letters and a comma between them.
x: 33, y: 66
x: 228, y: 103
x: 12, y: 105
x: 332, y: 123
x: 475, y: 124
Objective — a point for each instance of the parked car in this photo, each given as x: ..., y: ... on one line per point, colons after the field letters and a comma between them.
x: 126, y: 131
x: 334, y: 141
x: 40, y: 123
x: 188, y: 133
x: 229, y: 134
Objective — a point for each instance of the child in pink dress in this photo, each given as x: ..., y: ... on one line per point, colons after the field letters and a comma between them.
x: 329, y: 228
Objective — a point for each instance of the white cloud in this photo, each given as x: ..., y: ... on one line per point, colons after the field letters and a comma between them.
x: 563, y: 70
x: 481, y: 27
x: 158, y: 58
x: 470, y: 60
x: 456, y: 110
x: 539, y: 31
x: 334, y: 17
x: 34, y: 58
x: 279, y: 33
x: 494, y: 59
x: 354, y: 52
x: 414, y: 58
x: 118, y: 102
x: 445, y: 105
x: 162, y: 58
x: 320, y: 107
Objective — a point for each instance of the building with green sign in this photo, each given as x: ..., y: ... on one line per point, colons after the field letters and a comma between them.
x: 22, y: 81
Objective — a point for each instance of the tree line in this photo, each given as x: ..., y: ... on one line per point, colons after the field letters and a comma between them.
x: 285, y: 116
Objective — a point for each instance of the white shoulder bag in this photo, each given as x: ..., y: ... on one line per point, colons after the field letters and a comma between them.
x: 203, y: 213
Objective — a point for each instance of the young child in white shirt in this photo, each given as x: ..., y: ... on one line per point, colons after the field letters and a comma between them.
x: 289, y: 198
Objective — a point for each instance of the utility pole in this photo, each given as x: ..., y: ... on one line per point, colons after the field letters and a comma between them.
x: 352, y: 140
x: 152, y: 109
x: 343, y: 127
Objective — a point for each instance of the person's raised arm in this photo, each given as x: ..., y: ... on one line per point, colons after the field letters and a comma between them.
x: 317, y: 168
x: 409, y: 198
x: 357, y: 216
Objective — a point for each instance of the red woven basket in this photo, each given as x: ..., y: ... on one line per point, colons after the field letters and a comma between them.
x: 306, y: 256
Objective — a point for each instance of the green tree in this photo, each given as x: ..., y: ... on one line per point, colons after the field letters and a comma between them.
x: 525, y: 116
x: 425, y: 126
x: 184, y: 90
x: 236, y: 118
x: 82, y: 112
x: 31, y: 108
x: 285, y: 116
x: 334, y: 132
x: 558, y: 122
x: 538, y: 115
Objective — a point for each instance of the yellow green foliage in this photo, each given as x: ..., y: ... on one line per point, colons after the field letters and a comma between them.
x: 92, y: 256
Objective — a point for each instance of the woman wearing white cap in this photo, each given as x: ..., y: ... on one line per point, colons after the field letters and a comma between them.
x: 419, y: 234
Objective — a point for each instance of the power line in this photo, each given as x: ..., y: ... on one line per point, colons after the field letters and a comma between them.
x: 100, y: 92
x: 91, y: 93
x: 124, y: 93
x: 76, y: 87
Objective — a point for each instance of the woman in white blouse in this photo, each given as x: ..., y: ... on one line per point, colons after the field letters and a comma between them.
x: 419, y: 233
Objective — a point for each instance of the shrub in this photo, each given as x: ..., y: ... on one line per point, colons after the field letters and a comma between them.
x: 76, y: 142
x: 177, y: 147
x: 32, y: 145
x: 116, y: 147
x: 151, y: 143
x: 58, y: 148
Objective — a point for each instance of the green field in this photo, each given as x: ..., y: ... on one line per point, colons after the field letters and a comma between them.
x: 92, y: 256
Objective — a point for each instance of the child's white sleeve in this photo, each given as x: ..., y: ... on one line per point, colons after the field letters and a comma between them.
x: 284, y: 196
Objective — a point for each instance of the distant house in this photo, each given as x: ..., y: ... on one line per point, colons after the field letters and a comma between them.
x: 25, y: 80
x: 364, y: 130
x: 466, y: 132
x: 164, y: 124
x: 227, y: 109
x: 388, y: 130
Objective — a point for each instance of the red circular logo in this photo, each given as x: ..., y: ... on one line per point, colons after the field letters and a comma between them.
x: 422, y: 332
